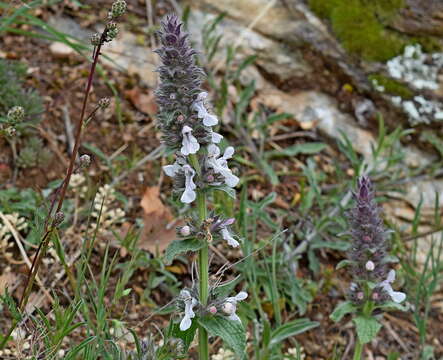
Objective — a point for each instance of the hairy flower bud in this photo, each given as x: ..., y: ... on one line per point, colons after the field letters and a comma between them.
x: 111, y: 31
x: 11, y: 131
x: 118, y: 9
x: 104, y: 102
x: 180, y: 86
x: 85, y: 161
x: 369, y: 246
x: 96, y: 39
x: 213, y: 310
x: 16, y: 114
x: 58, y: 219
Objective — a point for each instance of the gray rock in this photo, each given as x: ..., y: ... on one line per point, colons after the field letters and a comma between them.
x: 124, y: 53
x: 273, y: 57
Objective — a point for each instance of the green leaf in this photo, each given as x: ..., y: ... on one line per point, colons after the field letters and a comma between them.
x: 367, y: 328
x: 291, y: 329
x: 232, y: 332
x: 391, y: 305
x: 307, y: 148
x: 187, y: 336
x: 335, y: 245
x: 224, y: 188
x: 181, y: 246
x: 341, y: 310
x: 344, y: 263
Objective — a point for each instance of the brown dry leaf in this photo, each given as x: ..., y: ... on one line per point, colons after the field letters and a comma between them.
x: 144, y: 102
x: 6, y: 280
x: 159, y: 229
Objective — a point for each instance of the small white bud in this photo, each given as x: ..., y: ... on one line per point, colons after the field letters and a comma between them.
x: 370, y: 266
x: 229, y: 308
x: 185, y: 231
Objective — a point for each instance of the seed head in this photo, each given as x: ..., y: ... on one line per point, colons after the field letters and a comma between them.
x: 96, y: 39
x: 104, y: 102
x: 85, y: 161
x: 11, y: 131
x: 118, y: 9
x: 111, y: 31
x: 16, y: 114
x: 58, y: 219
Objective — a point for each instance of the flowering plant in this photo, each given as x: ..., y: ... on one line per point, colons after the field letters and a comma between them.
x: 371, y: 290
x: 200, y: 166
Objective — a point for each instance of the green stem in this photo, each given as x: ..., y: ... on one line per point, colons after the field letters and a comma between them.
x: 368, y: 307
x: 358, y: 350
x: 203, y: 266
x: 204, y: 279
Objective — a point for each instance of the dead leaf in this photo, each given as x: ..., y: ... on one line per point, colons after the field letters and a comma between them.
x: 6, y: 280
x: 143, y: 101
x: 159, y: 229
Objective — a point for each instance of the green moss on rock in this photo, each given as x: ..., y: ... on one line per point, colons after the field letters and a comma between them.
x: 359, y: 25
x: 392, y: 86
x: 324, y: 8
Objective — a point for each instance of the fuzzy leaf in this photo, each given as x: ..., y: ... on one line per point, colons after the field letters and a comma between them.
x: 343, y: 264
x: 187, y: 336
x: 181, y: 246
x: 367, y: 328
x: 226, y: 189
x: 290, y: 329
x: 232, y: 332
x: 335, y: 245
x: 341, y: 310
x: 391, y: 305
x: 307, y: 148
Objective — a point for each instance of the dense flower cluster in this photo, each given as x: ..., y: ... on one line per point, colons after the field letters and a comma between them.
x: 188, y: 303
x: 368, y: 253
x: 186, y: 123
x: 183, y: 118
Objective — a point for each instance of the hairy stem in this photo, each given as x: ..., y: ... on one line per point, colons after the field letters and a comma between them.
x: 204, y: 278
x: 358, y: 350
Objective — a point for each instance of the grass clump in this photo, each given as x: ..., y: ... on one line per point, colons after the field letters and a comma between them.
x: 13, y: 92
x: 391, y: 86
x: 359, y: 26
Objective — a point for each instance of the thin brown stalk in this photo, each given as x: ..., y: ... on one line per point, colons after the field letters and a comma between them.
x: 41, y: 250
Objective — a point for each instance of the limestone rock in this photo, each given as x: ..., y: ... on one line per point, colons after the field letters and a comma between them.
x: 60, y: 50
x: 273, y: 57
x: 421, y: 17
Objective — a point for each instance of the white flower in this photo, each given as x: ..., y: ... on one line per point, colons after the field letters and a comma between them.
x: 370, y: 266
x: 216, y: 137
x: 199, y: 106
x: 190, y: 144
x: 230, y: 305
x: 228, y: 237
x: 189, y: 194
x: 396, y: 296
x: 220, y: 164
x: 190, y: 302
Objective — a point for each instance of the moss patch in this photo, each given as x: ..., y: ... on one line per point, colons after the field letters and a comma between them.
x: 392, y: 86
x: 359, y: 25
